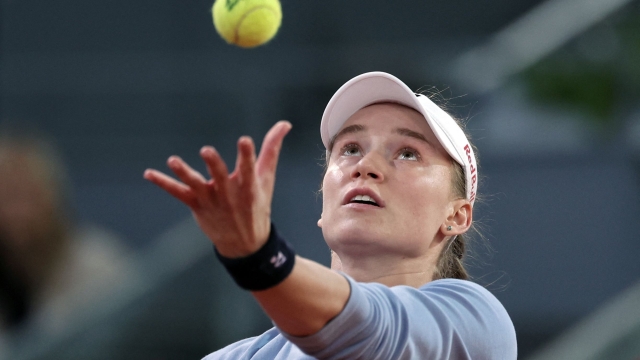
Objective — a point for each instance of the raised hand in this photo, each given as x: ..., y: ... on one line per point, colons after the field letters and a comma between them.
x: 233, y: 210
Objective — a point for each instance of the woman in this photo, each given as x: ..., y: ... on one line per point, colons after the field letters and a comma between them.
x: 398, y: 195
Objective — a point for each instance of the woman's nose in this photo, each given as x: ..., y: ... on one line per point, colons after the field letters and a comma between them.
x: 370, y: 166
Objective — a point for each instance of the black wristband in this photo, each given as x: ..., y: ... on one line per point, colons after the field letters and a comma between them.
x: 263, y: 269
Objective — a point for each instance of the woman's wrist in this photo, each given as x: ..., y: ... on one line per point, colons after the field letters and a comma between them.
x: 265, y: 268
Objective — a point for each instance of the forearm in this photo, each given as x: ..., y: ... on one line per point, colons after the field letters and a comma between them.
x: 233, y: 211
x: 306, y: 300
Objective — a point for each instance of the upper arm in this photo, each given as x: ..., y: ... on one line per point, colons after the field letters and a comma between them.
x: 445, y: 319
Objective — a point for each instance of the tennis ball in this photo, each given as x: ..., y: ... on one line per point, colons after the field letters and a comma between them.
x: 247, y: 23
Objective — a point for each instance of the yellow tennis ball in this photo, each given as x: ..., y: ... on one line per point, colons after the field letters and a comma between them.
x: 247, y: 23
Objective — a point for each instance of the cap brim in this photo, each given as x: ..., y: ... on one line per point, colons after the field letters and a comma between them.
x: 376, y: 87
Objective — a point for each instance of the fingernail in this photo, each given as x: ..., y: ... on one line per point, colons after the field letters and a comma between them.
x: 172, y: 161
x: 207, y: 150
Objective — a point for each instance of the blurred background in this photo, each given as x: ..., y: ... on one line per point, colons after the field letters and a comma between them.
x: 95, y: 263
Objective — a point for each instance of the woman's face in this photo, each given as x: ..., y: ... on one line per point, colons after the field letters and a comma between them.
x: 386, y: 153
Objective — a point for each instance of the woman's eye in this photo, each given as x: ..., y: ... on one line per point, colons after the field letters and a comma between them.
x: 408, y: 154
x: 351, y: 150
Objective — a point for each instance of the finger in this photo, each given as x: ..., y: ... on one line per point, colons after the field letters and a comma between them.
x: 175, y: 188
x: 270, y: 151
x: 216, y: 168
x: 186, y: 174
x: 245, y: 162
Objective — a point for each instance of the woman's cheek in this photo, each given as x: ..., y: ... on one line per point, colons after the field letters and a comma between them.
x: 420, y: 190
x: 330, y: 184
x: 334, y: 175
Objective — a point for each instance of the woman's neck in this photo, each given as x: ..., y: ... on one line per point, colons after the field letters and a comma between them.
x: 389, y: 270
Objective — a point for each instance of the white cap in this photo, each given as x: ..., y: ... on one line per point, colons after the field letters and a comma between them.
x: 375, y: 87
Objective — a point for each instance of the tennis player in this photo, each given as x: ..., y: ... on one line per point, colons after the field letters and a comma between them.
x: 398, y: 196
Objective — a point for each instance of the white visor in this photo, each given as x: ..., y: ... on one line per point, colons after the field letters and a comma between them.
x: 375, y: 87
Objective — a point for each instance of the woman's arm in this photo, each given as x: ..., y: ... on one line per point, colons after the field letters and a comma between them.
x: 234, y: 211
x: 306, y: 300
x: 445, y: 319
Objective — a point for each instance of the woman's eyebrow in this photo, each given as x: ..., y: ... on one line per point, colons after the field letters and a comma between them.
x: 348, y: 130
x: 413, y: 134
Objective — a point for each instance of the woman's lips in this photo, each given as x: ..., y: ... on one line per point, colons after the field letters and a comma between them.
x: 364, y: 197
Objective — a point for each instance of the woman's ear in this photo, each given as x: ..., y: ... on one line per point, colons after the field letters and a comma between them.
x: 460, y: 219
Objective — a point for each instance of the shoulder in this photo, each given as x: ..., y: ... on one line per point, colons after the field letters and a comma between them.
x: 453, y: 297
x: 463, y: 292
x: 460, y: 314
x: 454, y: 292
x: 444, y: 319
x: 473, y: 311
x: 437, y: 297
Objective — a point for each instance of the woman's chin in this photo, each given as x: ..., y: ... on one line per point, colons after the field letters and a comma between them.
x: 354, y: 235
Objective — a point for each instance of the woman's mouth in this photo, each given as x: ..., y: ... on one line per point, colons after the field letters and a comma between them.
x: 363, y: 199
